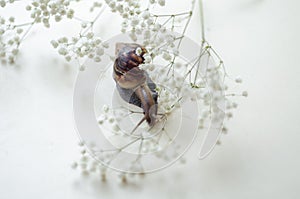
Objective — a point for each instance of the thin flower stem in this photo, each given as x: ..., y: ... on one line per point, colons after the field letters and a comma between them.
x: 94, y: 20
x: 198, y: 66
x: 82, y: 20
x: 172, y: 15
x: 24, y: 24
x: 185, y: 28
x: 202, y: 19
x: 26, y: 33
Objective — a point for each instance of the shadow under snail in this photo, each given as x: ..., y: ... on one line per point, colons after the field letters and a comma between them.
x: 134, y: 84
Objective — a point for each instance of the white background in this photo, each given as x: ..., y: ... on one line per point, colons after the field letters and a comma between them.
x: 259, y: 158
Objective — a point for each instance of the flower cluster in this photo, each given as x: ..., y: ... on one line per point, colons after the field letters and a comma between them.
x: 86, y: 45
x: 205, y: 84
x: 135, y: 18
x: 95, y: 6
x: 3, y: 3
x: 41, y: 11
x: 10, y: 37
x: 88, y: 165
x: 13, y: 34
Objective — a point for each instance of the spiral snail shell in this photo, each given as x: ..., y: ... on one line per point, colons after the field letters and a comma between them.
x: 133, y: 84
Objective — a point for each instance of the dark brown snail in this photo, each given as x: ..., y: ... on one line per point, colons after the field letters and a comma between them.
x: 133, y: 84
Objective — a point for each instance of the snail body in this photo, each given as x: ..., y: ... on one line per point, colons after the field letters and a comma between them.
x: 133, y: 84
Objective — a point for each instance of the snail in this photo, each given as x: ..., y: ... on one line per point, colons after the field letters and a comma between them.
x: 134, y: 84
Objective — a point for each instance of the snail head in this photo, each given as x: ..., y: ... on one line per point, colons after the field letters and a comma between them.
x: 127, y: 56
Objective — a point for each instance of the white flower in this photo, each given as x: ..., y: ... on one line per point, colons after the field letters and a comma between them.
x: 177, y: 65
x: 120, y: 8
x: 82, y: 67
x: 151, y: 67
x: 62, y: 51
x: 70, y: 13
x: 105, y: 108
x: 100, y: 51
x: 156, y: 27
x: 90, y: 35
x: 133, y: 36
x: 112, y: 4
x: 11, y: 19
x: 35, y: 4
x: 116, y: 128
x: 149, y: 21
x: 167, y: 56
x: 68, y: 58
x: 238, y: 80
x: 147, y: 58
x: 15, y: 51
x: 57, y: 18
x: 54, y: 43
x: 146, y: 15
x: 161, y: 2
x: 105, y: 45
x: 234, y: 105
x: 97, y: 59
x: 111, y: 120
x: 245, y: 93
x: 74, y: 165
x: 63, y: 40
x: 138, y: 51
x: 135, y: 21
x: 125, y: 15
x: 147, y: 34
x: 2, y: 3
x: 83, y: 25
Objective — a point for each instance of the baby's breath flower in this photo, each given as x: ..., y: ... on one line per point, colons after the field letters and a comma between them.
x: 161, y: 2
x: 245, y: 93
x: 167, y: 56
x: 70, y: 14
x: 90, y: 35
x: 100, y: 51
x: 105, y: 44
x: 147, y: 58
x: 83, y: 25
x: 238, y: 80
x: 2, y: 3
x: 62, y: 51
x: 57, y: 18
x: 97, y: 59
x: 82, y: 67
x: 146, y: 15
x: 11, y: 19
x: 15, y: 51
x: 54, y: 43
x: 138, y: 51
x: 135, y: 21
x: 68, y: 58
x: 74, y: 165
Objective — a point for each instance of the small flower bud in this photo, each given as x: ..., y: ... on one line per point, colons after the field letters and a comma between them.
x: 54, y: 44
x: 238, y: 80
x: 245, y: 93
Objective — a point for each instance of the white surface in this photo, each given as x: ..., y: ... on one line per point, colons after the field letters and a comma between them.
x: 259, y: 158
